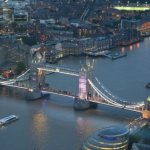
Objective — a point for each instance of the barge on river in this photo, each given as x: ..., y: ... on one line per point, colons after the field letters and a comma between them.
x: 8, y: 119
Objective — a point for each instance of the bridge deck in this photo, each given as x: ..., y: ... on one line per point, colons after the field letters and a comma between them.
x: 101, y: 96
x: 58, y: 92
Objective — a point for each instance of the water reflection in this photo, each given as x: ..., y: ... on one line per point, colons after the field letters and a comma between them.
x: 9, y: 92
x: 4, y: 91
x: 83, y: 126
x: 131, y: 47
x: 137, y: 45
x: 39, y: 129
x: 40, y: 123
x: 122, y: 49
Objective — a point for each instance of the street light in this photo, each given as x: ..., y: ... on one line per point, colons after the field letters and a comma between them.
x: 146, y: 3
x: 137, y: 3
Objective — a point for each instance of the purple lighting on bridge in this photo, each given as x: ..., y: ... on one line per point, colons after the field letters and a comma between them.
x: 82, y: 86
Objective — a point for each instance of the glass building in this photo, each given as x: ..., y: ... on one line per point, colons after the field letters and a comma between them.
x: 110, y: 138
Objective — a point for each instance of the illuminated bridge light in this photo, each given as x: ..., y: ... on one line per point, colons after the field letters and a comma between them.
x: 114, y: 137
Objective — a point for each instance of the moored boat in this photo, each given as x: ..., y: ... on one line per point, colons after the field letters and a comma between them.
x: 147, y: 85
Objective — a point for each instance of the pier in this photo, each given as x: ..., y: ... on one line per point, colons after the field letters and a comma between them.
x: 107, y: 54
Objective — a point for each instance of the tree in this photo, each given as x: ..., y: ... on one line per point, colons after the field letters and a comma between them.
x: 29, y: 41
x: 20, y: 67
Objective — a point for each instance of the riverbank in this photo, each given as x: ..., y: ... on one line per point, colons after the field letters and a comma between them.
x: 94, y: 53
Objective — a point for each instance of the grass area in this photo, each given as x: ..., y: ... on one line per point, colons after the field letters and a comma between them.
x: 129, y: 8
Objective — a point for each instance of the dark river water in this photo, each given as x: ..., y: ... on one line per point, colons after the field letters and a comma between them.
x: 53, y: 124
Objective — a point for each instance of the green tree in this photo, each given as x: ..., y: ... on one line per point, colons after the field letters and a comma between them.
x: 29, y: 41
x: 20, y: 67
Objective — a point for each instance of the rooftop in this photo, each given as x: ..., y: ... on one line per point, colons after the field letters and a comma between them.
x: 113, y: 132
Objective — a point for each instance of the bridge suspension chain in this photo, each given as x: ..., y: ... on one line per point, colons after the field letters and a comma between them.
x: 138, y: 104
x: 114, y: 103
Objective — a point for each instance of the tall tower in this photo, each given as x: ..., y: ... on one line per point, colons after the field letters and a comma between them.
x: 82, y: 101
x: 83, y: 84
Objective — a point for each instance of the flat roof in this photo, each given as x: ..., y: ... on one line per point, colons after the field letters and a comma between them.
x: 113, y: 131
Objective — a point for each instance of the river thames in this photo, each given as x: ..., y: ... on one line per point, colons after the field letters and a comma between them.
x: 53, y: 124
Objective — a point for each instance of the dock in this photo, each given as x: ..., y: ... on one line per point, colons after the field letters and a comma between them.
x: 107, y: 54
x: 97, y: 53
x: 119, y: 55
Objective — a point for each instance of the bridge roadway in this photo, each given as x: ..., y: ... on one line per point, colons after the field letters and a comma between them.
x: 100, y: 98
x: 96, y: 99
x: 55, y: 91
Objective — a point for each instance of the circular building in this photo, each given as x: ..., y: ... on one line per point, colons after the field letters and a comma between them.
x: 110, y: 138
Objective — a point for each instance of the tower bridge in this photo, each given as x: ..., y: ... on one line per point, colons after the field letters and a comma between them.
x: 89, y: 95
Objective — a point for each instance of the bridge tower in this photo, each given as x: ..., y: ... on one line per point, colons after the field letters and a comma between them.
x: 40, y: 78
x: 146, y: 111
x: 41, y: 83
x: 35, y: 93
x: 83, y: 84
x: 81, y: 102
x: 37, y: 55
x: 89, y: 68
x: 90, y: 92
x: 85, y: 92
